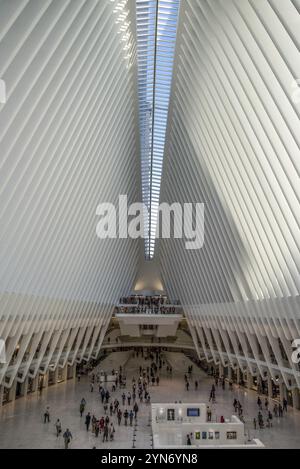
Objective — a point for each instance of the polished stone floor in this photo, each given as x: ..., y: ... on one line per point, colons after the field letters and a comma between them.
x: 21, y: 423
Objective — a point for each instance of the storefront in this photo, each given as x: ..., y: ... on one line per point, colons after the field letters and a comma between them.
x: 30, y: 387
x: 51, y: 378
x: 41, y: 382
x: 19, y: 390
x: 70, y: 372
x: 5, y: 399
x: 60, y: 375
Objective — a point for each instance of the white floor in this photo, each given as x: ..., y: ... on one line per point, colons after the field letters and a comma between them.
x: 21, y: 423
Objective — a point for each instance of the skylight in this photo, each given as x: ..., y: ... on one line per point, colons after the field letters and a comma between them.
x: 156, y: 37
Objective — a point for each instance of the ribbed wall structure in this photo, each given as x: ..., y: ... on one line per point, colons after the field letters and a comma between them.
x: 234, y: 144
x: 69, y: 140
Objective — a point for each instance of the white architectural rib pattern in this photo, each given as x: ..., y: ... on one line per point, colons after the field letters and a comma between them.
x: 69, y: 141
x: 234, y: 144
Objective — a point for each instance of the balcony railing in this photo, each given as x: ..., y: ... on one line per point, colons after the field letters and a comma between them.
x: 137, y: 309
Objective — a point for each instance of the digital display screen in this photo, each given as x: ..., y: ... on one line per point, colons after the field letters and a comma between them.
x: 193, y: 412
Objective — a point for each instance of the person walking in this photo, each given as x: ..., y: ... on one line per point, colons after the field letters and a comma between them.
x: 116, y: 405
x: 111, y: 431
x: 47, y: 415
x: 97, y: 429
x: 94, y: 420
x: 135, y: 410
x: 235, y: 405
x: 270, y: 416
x: 87, y: 421
x: 131, y: 414
x: 58, y: 428
x: 119, y: 416
x: 126, y: 417
x: 67, y: 436
x: 260, y: 420
x: 259, y: 403
x: 266, y: 403
x: 101, y: 424
x: 81, y: 408
x: 105, y: 433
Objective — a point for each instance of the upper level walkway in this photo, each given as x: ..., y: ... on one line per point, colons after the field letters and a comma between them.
x: 158, y: 305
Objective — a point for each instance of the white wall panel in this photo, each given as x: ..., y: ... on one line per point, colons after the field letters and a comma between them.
x: 69, y: 140
x: 234, y: 144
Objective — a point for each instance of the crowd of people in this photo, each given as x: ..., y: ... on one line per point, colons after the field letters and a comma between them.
x: 120, y: 405
x: 146, y: 305
x: 120, y: 402
x: 147, y: 300
x: 278, y: 412
x: 145, y: 310
x: 265, y: 416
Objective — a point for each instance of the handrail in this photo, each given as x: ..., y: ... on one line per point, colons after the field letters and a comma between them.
x: 148, y: 344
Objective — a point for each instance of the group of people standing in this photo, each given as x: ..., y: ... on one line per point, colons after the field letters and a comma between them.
x: 278, y: 412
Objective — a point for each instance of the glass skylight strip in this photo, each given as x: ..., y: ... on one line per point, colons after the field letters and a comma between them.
x: 156, y: 38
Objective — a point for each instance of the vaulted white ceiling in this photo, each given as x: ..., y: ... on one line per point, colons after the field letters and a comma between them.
x: 70, y: 139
